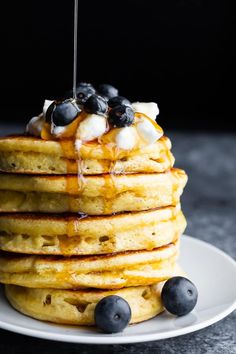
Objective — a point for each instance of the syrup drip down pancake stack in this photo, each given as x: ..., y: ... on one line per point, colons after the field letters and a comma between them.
x: 89, y: 207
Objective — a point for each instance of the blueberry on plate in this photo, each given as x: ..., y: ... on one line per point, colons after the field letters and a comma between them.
x: 96, y: 104
x: 118, y: 100
x: 65, y: 112
x: 121, y: 116
x: 179, y: 296
x: 107, y: 91
x: 112, y: 314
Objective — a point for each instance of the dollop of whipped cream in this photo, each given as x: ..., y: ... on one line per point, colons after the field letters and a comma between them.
x: 126, y: 138
x: 57, y: 131
x: 35, y: 125
x: 92, y: 127
x: 147, y: 130
x: 46, y: 105
x: 88, y: 127
x: 150, y: 109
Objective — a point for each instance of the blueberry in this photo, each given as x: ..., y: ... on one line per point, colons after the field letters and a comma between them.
x: 112, y: 314
x: 85, y: 85
x: 83, y: 91
x: 96, y: 104
x: 118, y: 100
x: 65, y: 112
x: 121, y: 116
x: 107, y: 91
x: 179, y: 296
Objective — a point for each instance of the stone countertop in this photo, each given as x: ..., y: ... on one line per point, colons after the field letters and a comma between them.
x: 209, y: 203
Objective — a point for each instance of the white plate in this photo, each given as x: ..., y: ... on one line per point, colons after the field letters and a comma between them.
x: 212, y: 271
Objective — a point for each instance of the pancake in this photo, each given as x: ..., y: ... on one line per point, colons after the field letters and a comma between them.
x: 110, y: 271
x: 77, y: 307
x: 71, y: 235
x: 24, y: 154
x: 93, y: 195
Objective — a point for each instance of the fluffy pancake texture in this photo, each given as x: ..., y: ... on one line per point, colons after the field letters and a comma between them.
x: 22, y: 154
x: 77, y: 307
x: 41, y: 234
x: 110, y: 271
x: 93, y: 195
x: 82, y: 221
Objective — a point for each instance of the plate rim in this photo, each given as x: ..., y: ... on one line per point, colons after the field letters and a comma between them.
x: 118, y: 338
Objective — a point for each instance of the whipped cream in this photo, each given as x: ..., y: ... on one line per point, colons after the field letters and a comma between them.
x: 58, y: 130
x: 88, y: 127
x: 35, y: 125
x: 46, y: 104
x: 92, y: 127
x: 126, y: 138
x: 149, y: 108
x: 147, y: 131
x: 78, y: 144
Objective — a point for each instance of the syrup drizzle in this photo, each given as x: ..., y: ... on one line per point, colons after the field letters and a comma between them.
x: 75, y: 48
x: 73, y: 185
x: 68, y: 146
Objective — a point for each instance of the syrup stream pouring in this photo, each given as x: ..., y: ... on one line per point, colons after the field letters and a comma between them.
x: 75, y: 48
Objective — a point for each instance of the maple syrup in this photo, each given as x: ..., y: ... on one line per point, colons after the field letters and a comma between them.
x: 75, y: 63
x: 70, y: 152
x: 104, y: 150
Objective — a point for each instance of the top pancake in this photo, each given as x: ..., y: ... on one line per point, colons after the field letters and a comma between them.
x: 24, y: 154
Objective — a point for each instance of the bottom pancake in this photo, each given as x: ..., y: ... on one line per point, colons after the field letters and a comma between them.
x: 77, y: 307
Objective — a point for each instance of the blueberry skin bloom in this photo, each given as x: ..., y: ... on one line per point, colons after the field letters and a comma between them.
x: 84, y: 91
x: 64, y: 113
x: 121, y: 116
x: 112, y: 314
x: 179, y: 296
x: 96, y: 105
x: 118, y: 100
x: 107, y: 91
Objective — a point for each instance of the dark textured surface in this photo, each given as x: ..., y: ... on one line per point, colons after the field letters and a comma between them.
x: 209, y: 203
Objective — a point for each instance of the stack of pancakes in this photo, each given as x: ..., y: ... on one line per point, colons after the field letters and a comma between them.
x: 75, y: 228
